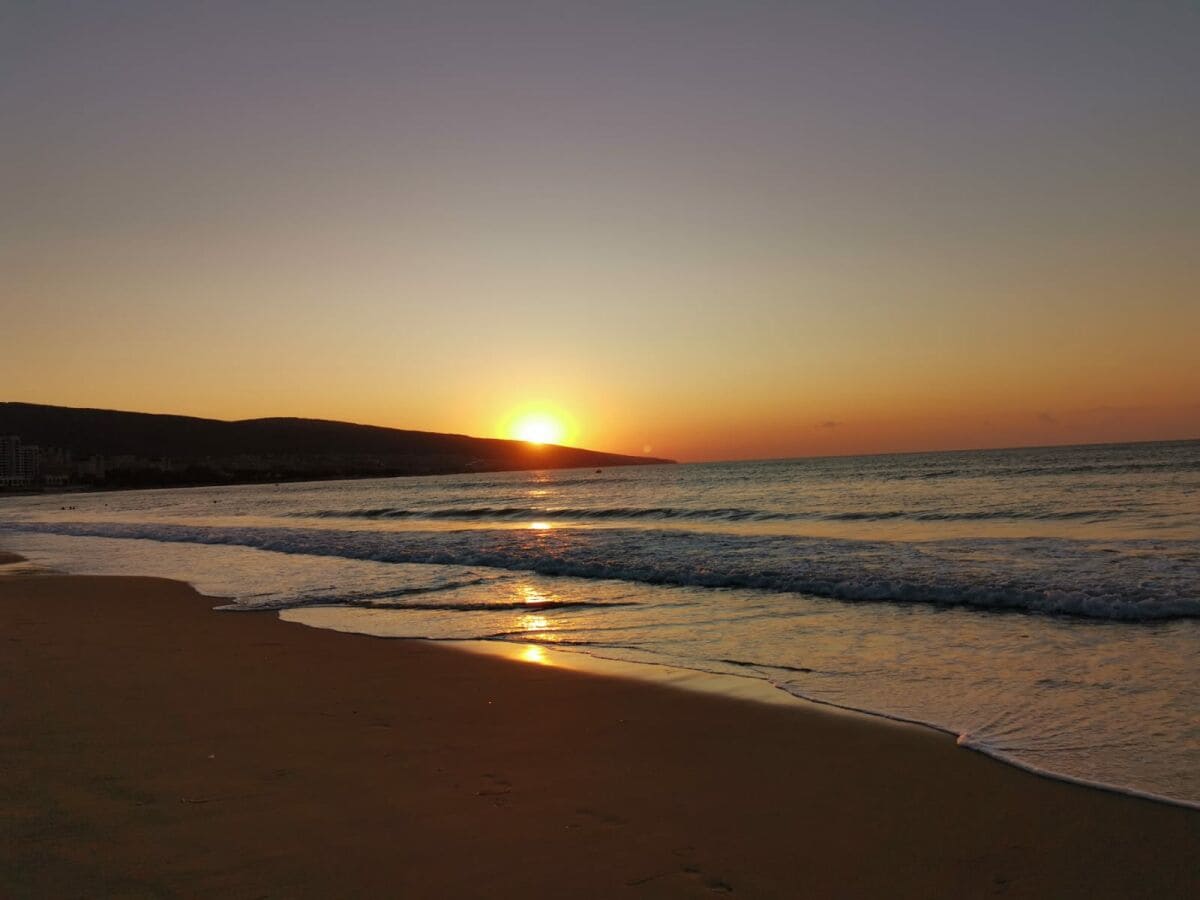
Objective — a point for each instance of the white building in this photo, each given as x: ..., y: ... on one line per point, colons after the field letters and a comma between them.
x: 20, y: 464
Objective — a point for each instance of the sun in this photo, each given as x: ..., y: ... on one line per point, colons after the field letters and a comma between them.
x: 539, y: 428
x: 539, y: 423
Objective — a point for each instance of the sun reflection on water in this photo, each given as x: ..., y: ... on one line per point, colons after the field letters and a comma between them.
x: 532, y: 595
x: 533, y: 623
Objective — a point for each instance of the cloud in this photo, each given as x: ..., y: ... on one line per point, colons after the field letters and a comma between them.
x: 828, y: 423
x: 1047, y: 418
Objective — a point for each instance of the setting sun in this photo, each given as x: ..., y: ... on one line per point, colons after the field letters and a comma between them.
x: 539, y: 428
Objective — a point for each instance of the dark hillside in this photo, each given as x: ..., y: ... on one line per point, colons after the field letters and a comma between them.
x: 187, y: 449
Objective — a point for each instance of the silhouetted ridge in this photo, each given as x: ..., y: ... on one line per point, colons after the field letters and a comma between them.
x: 165, y: 449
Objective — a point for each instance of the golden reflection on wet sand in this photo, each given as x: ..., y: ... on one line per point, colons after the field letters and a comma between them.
x: 535, y: 654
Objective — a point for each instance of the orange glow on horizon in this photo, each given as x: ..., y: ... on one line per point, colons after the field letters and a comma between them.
x: 716, y: 246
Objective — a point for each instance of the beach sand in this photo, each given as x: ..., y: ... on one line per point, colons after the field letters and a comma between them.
x: 154, y: 747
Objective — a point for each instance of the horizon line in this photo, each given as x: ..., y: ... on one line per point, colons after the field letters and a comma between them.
x: 665, y: 460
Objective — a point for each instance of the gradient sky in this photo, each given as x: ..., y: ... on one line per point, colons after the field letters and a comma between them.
x: 711, y: 229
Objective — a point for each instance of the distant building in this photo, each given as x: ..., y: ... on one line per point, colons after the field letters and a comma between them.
x: 31, y: 464
x: 91, y: 469
x: 20, y: 464
x: 10, y: 453
x: 57, y: 466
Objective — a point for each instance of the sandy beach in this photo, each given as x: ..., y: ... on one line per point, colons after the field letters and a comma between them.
x: 154, y: 747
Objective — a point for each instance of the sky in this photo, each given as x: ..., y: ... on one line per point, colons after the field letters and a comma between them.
x: 702, y: 230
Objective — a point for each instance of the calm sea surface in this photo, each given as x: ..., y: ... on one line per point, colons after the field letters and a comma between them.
x: 1042, y: 604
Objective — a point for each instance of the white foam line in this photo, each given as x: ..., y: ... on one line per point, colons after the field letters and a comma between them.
x: 962, y: 740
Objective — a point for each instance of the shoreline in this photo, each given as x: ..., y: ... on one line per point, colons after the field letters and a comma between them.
x: 121, y: 688
x: 745, y: 688
x: 757, y: 689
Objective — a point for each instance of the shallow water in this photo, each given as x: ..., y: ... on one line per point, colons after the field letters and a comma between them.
x: 1044, y: 604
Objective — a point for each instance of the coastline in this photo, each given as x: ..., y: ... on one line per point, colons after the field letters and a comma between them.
x: 762, y: 691
x: 155, y: 744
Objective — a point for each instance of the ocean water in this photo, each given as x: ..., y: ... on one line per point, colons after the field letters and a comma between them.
x: 1043, y: 605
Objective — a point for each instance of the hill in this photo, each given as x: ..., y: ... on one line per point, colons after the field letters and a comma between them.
x: 129, y: 448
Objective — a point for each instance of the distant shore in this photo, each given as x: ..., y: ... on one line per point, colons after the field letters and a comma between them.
x: 53, y: 446
x: 154, y: 745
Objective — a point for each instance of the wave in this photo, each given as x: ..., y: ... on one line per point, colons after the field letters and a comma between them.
x: 525, y: 479
x: 533, y: 637
x: 1126, y: 468
x: 721, y: 514
x: 392, y: 598
x: 750, y: 664
x: 334, y: 600
x: 1129, y: 581
x: 969, y: 742
x: 937, y: 473
x: 518, y: 513
x: 974, y: 516
x: 995, y: 469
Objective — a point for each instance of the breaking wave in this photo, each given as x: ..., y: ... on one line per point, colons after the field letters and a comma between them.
x: 722, y: 514
x: 1130, y: 581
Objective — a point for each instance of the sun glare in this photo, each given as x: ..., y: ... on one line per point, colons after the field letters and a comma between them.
x: 535, y: 654
x: 538, y: 428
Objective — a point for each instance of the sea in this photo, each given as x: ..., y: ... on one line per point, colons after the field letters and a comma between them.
x: 1041, y: 606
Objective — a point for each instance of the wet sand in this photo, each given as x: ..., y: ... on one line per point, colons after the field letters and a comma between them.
x: 153, y: 747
